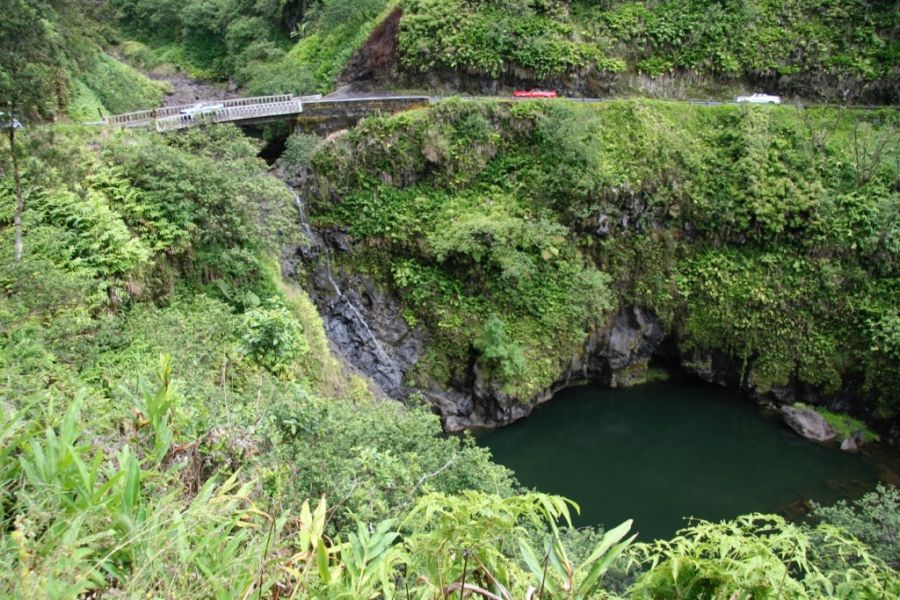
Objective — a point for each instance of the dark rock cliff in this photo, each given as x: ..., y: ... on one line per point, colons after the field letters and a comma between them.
x: 616, y: 355
x: 365, y: 323
x: 366, y: 326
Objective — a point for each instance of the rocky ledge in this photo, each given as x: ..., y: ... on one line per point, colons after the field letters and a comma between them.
x: 366, y: 326
x: 617, y: 355
x: 808, y: 423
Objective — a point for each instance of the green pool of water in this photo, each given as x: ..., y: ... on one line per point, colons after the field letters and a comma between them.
x: 665, y: 451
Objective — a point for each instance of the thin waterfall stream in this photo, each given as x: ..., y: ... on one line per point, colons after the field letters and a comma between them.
x: 315, y: 241
x: 304, y: 220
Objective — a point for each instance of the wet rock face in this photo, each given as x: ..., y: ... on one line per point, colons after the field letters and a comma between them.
x: 364, y: 324
x: 808, y: 423
x: 372, y: 337
x: 630, y: 341
x: 368, y: 329
x: 712, y: 367
x: 615, y: 356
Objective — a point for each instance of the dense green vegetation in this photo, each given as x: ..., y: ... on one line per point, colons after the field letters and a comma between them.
x: 872, y: 519
x: 146, y: 246
x: 331, y: 35
x: 266, y: 47
x: 838, y: 50
x: 769, y: 235
x: 212, y: 39
x: 770, y: 558
x: 173, y: 423
x: 107, y: 86
x: 808, y: 47
x: 188, y: 476
x: 51, y: 63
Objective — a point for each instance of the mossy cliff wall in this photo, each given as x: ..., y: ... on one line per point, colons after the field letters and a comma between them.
x: 527, y: 244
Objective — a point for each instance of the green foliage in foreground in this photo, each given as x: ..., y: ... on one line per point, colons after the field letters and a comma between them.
x: 873, y: 519
x: 770, y: 235
x: 148, y: 516
x: 148, y: 497
x: 126, y: 475
x: 761, y: 556
x: 76, y: 521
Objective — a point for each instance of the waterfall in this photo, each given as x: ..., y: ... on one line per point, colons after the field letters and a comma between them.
x: 326, y: 255
x: 356, y: 312
x: 304, y: 220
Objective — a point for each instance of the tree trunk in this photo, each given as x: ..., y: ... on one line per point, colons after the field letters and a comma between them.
x: 20, y: 200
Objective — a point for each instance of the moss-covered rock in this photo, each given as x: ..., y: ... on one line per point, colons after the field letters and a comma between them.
x: 757, y: 240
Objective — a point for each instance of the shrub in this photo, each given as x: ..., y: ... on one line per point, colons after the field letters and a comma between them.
x: 764, y: 557
x: 273, y: 338
x: 119, y: 87
x: 377, y: 457
x: 504, y: 356
x: 299, y: 150
x: 873, y: 519
x: 95, y: 235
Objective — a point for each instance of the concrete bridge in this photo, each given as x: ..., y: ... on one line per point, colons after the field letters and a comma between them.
x: 327, y: 115
x: 313, y: 114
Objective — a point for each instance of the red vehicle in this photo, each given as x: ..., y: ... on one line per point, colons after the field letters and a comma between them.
x: 535, y: 93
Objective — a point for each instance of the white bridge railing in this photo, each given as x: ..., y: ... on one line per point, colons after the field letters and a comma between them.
x: 171, y: 118
x: 236, y: 112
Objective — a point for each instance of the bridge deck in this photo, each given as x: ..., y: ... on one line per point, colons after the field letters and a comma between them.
x: 264, y: 108
x: 171, y: 118
x: 290, y: 106
x: 258, y: 109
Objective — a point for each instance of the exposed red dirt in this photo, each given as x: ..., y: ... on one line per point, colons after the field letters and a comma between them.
x: 376, y: 61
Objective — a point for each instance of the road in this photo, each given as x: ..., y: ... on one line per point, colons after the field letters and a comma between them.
x: 285, y: 106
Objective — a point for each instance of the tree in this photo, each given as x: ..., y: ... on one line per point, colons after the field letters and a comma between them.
x: 502, y: 354
x: 873, y: 519
x: 30, y: 68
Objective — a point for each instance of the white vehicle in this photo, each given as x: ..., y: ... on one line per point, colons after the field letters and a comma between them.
x: 5, y: 122
x: 760, y: 99
x: 202, y: 108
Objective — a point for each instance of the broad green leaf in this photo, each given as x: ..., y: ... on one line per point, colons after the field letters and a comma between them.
x: 322, y: 562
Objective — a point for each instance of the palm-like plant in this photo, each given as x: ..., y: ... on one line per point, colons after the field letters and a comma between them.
x: 563, y: 579
x: 761, y: 557
x: 469, y: 544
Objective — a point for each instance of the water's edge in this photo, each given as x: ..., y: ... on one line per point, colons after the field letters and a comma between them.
x: 661, y: 452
